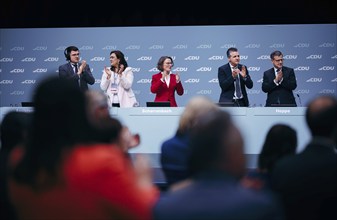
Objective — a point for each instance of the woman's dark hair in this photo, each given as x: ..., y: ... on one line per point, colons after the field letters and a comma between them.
x: 59, y: 122
x: 121, y: 58
x: 161, y: 62
x: 281, y: 140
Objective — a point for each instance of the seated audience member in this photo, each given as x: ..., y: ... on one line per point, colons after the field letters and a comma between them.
x: 13, y: 133
x: 280, y: 141
x: 307, y: 182
x: 174, y: 151
x: 67, y: 172
x: 216, y: 163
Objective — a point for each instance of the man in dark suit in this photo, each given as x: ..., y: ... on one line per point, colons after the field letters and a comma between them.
x: 279, y: 82
x: 233, y: 80
x: 216, y: 163
x: 76, y: 71
x: 307, y: 182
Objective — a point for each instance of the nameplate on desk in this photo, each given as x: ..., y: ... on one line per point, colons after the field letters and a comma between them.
x: 263, y: 111
x: 153, y: 111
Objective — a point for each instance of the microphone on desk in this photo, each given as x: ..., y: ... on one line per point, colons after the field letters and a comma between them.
x: 299, y: 99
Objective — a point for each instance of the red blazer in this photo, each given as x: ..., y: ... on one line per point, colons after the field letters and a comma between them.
x: 164, y: 93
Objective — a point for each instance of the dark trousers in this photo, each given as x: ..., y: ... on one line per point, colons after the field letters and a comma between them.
x: 239, y: 102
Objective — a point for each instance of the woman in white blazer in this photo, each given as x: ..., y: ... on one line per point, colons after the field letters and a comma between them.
x: 117, y: 82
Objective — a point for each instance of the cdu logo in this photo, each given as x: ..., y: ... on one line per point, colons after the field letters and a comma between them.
x: 290, y: 57
x: 302, y: 68
x: 192, y: 81
x: 97, y: 59
x: 327, y: 68
x: 204, y: 92
x: 97, y: 81
x: 86, y: 48
x: 254, y: 68
x: 204, y: 69
x: 180, y: 69
x: 277, y: 46
x: 6, y: 60
x: 135, y: 70
x: 40, y: 70
x: 327, y: 44
x: 52, y: 59
x: 17, y: 71
x: 40, y: 48
x: 29, y: 59
x: 17, y: 49
x: 145, y: 58
x: 154, y: 70
x: 334, y: 57
x: 263, y: 57
x: 214, y: 80
x: 302, y: 91
x: 204, y: 46
x: 6, y: 81
x: 17, y: 92
x: 327, y: 91
x: 180, y: 47
x: 142, y: 81
x: 192, y: 58
x: 314, y: 57
x: 314, y: 80
x: 216, y: 58
x: 133, y: 47
x: 156, y: 47
x: 302, y: 45
x: 109, y: 47
x: 226, y: 46
x: 252, y: 46
x: 28, y: 81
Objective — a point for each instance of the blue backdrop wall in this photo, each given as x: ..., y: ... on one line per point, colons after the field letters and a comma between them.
x: 28, y: 55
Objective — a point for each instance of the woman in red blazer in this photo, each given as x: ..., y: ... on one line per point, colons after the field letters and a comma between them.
x: 165, y: 83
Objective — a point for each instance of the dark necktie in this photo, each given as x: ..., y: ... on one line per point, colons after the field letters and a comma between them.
x: 79, y: 77
x: 237, y: 86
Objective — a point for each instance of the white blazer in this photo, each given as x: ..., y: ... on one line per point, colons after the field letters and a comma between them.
x: 124, y: 82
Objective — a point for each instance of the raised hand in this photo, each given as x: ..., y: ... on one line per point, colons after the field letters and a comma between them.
x: 243, y: 72
x: 177, y: 77
x: 83, y: 65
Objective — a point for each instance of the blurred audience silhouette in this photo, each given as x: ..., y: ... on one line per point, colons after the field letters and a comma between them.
x: 67, y: 170
x: 280, y: 141
x: 13, y: 133
x: 216, y: 163
x: 174, y: 151
x: 307, y: 182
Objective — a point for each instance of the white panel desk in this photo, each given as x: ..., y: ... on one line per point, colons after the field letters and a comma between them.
x: 156, y: 124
